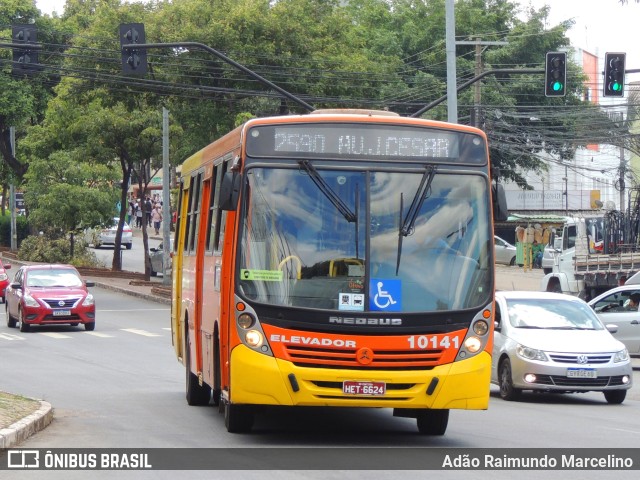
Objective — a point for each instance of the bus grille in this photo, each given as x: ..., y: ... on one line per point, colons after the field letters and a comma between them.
x: 382, y: 359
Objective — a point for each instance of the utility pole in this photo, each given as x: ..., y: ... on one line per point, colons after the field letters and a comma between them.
x: 12, y: 194
x: 166, y: 207
x: 450, y: 45
x: 622, y: 173
x: 477, y: 122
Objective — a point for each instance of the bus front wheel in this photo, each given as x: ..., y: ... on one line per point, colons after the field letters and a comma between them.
x: 433, y: 422
x: 238, y: 418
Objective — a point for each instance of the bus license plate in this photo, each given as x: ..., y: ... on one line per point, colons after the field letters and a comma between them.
x: 582, y: 373
x: 351, y: 387
x: 61, y: 313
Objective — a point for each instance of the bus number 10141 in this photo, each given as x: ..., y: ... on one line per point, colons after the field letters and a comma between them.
x: 424, y: 342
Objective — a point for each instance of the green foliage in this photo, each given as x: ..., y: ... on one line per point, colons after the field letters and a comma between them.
x: 40, y: 248
x: 22, y: 229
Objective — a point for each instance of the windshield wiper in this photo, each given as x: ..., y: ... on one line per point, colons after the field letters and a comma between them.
x: 405, y: 228
x: 324, y: 187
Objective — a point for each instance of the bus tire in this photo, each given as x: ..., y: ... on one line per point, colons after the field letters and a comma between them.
x: 238, y: 418
x: 196, y: 394
x: 433, y: 422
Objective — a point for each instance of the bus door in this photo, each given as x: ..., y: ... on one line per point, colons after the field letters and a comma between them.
x: 178, y: 258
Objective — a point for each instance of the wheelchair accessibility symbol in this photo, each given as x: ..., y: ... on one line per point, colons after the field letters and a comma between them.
x: 385, y: 295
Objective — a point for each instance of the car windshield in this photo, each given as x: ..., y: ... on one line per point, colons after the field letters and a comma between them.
x: 553, y: 314
x: 53, y: 278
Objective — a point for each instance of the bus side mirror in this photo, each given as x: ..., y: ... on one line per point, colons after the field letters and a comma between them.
x: 229, y: 191
x: 500, y: 211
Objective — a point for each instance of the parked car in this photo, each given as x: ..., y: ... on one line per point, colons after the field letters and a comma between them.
x: 107, y: 235
x: 156, y: 255
x: 553, y: 342
x: 505, y: 253
x: 4, y: 278
x: 49, y: 295
x: 612, y: 308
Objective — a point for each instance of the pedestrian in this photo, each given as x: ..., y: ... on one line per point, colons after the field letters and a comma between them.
x: 156, y: 218
x: 138, y: 216
x: 131, y: 212
x: 148, y: 206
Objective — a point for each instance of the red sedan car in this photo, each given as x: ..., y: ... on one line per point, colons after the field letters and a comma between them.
x: 4, y: 279
x: 49, y: 295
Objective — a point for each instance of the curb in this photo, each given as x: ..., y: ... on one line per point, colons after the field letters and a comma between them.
x: 23, y: 429
x: 146, y: 296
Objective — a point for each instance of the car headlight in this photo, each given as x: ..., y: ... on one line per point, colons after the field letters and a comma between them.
x: 29, y: 301
x: 88, y: 301
x: 621, y: 356
x: 531, y: 353
x: 3, y: 276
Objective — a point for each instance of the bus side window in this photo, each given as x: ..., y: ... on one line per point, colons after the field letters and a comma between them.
x: 194, y: 213
x: 215, y: 214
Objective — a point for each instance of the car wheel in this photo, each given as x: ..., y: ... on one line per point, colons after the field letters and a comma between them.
x: 615, y: 397
x: 11, y: 322
x: 433, y: 422
x: 24, y: 327
x: 512, y: 262
x: 238, y: 418
x: 507, y: 390
x: 129, y: 246
x: 89, y: 327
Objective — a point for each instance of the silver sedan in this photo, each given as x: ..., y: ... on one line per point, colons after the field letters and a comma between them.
x: 505, y: 253
x: 553, y: 342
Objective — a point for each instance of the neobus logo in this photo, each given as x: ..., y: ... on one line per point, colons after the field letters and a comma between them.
x: 365, y: 321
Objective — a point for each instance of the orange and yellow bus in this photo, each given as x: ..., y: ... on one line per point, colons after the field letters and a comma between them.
x: 339, y: 258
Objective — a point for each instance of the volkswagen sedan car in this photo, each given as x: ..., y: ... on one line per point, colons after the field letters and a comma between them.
x: 556, y: 343
x: 505, y: 253
x: 49, y: 295
x: 4, y: 278
x: 612, y: 308
x: 107, y: 235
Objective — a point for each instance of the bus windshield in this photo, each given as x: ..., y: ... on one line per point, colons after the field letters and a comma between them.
x: 374, y: 240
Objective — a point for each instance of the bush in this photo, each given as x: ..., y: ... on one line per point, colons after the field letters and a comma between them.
x: 22, y: 228
x: 39, y: 248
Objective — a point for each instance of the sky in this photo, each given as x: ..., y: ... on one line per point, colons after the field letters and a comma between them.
x: 601, y: 25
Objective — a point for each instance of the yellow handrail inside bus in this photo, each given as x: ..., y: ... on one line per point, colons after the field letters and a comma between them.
x: 298, y: 264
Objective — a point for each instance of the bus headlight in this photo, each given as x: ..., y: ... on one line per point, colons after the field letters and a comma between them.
x: 481, y: 327
x: 245, y: 321
x: 253, y: 338
x: 473, y: 344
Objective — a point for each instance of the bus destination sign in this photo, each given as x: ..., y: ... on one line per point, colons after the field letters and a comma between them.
x: 364, y: 141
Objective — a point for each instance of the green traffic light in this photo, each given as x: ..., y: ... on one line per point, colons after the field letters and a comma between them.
x: 615, y: 87
x: 556, y: 86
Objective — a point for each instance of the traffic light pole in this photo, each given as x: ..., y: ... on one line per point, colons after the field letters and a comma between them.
x: 223, y: 57
x: 520, y: 71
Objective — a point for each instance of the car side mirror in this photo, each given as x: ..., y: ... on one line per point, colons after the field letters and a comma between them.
x: 7, y: 266
x: 90, y: 284
x: 496, y: 326
x: 611, y: 327
x: 16, y: 286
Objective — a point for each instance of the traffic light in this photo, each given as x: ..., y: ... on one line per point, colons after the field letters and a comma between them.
x: 555, y: 74
x: 614, y: 74
x: 134, y: 60
x: 25, y: 59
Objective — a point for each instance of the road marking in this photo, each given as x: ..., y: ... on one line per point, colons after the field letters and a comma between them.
x: 11, y: 336
x: 140, y: 332
x: 98, y: 334
x: 138, y: 310
x: 53, y: 335
x: 167, y: 328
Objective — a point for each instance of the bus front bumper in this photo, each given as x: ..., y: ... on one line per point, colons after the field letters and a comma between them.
x: 263, y: 380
